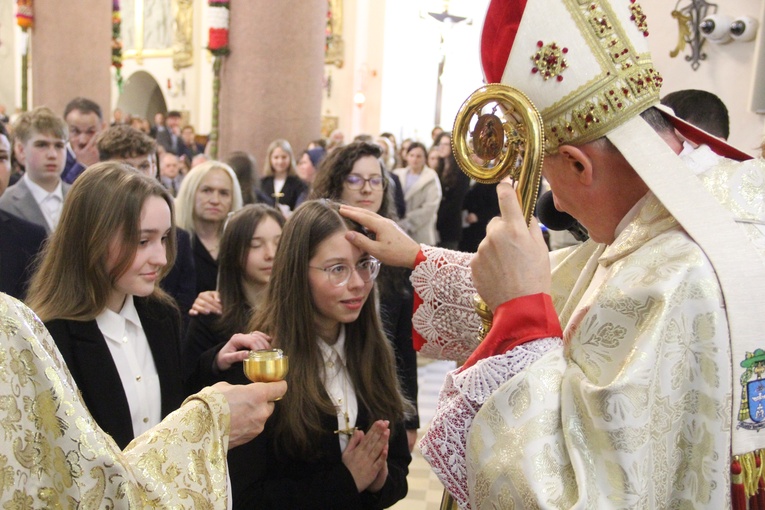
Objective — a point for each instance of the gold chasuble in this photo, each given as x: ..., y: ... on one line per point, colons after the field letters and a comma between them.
x: 53, y: 455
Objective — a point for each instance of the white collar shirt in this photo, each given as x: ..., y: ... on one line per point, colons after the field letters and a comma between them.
x: 338, y: 385
x: 130, y: 351
x: 50, y: 202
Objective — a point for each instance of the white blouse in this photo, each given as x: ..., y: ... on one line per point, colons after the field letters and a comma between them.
x: 130, y: 351
x: 338, y: 385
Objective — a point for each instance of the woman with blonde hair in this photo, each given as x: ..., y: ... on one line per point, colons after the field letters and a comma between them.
x: 208, y: 193
x: 280, y: 179
x: 97, y: 291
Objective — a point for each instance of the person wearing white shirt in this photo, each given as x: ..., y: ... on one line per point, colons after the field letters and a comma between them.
x: 39, y: 145
x: 97, y: 291
x: 337, y: 439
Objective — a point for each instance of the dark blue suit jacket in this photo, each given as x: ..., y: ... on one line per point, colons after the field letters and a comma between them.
x: 20, y: 241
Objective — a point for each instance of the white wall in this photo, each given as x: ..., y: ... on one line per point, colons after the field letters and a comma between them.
x: 196, y: 98
x: 410, y: 66
x: 412, y: 51
x: 728, y: 70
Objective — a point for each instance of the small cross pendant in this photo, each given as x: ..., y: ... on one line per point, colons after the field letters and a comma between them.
x: 348, y: 430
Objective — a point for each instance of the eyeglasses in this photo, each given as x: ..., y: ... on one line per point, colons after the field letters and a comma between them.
x: 357, y: 182
x: 339, y: 274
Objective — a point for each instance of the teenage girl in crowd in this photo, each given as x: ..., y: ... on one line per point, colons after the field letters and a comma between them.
x: 280, y: 177
x: 208, y: 193
x: 246, y: 259
x: 353, y: 175
x: 336, y: 440
x: 97, y: 291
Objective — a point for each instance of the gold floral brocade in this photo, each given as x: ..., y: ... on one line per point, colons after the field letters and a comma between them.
x: 642, y: 415
x: 634, y: 406
x: 54, y: 455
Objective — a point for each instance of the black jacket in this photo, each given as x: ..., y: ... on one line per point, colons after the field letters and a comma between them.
x: 293, y: 188
x: 89, y: 360
x: 20, y: 241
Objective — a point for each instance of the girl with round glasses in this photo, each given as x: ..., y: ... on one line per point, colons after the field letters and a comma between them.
x: 354, y: 175
x: 336, y: 439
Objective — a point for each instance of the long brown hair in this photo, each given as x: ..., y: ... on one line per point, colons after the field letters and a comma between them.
x: 288, y: 316
x: 232, y: 264
x: 71, y: 281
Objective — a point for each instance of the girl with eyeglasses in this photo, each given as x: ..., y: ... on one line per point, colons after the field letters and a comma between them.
x: 336, y: 439
x: 354, y: 175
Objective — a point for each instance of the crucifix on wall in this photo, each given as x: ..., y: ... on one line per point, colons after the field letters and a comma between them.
x: 448, y: 20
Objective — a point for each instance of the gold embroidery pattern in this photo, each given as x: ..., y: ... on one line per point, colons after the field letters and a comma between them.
x: 549, y: 61
x: 638, y: 17
x: 627, y: 85
x: 54, y: 456
x: 643, y: 402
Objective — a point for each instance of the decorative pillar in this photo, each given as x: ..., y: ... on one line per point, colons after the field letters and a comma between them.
x: 271, y: 83
x: 71, y: 48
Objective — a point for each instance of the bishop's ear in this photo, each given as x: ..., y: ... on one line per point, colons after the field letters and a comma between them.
x: 578, y: 161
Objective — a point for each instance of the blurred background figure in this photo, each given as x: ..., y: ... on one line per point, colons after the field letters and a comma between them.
x: 170, y: 173
x: 280, y: 179
x: 422, y: 191
x: 208, y: 194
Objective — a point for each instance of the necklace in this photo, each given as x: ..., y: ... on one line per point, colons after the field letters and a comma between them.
x: 348, y: 430
x: 341, y: 404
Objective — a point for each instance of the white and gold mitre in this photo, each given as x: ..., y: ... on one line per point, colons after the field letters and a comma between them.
x: 583, y: 63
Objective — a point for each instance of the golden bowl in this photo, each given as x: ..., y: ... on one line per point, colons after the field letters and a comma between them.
x: 266, y: 365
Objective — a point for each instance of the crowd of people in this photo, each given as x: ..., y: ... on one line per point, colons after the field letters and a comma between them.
x: 150, y: 270
x: 137, y: 275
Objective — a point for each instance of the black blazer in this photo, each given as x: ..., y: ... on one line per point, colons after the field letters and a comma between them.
x: 20, y: 240
x: 181, y: 281
x: 265, y: 477
x: 293, y: 188
x: 89, y: 360
x: 205, y: 266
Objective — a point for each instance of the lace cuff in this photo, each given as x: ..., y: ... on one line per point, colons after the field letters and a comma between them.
x: 444, y: 320
x: 462, y: 395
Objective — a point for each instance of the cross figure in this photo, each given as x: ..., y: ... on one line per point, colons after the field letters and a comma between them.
x: 448, y: 20
x: 348, y: 430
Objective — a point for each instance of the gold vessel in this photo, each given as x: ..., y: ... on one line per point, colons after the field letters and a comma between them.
x: 266, y: 365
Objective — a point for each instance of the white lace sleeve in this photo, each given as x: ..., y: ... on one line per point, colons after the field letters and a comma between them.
x: 446, y: 320
x: 462, y: 395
